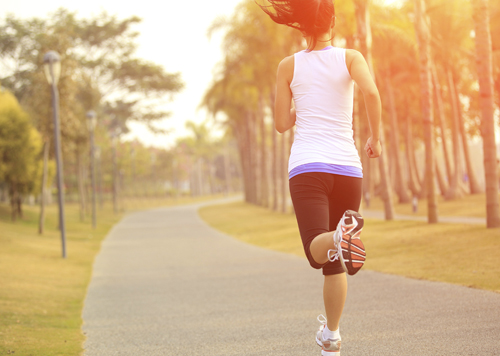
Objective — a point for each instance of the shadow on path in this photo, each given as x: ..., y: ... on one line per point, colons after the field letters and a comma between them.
x: 165, y: 283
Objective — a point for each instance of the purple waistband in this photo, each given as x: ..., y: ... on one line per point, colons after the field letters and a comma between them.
x: 348, y: 171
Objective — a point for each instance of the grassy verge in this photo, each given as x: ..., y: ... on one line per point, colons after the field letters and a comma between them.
x: 454, y: 253
x: 469, y: 205
x: 41, y: 294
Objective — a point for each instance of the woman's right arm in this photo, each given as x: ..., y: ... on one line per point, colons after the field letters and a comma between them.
x: 284, y: 115
x: 360, y: 73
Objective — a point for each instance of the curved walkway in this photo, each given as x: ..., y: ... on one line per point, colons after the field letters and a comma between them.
x: 165, y: 283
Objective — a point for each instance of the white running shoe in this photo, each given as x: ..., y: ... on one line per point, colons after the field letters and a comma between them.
x: 329, y: 347
x: 350, y: 250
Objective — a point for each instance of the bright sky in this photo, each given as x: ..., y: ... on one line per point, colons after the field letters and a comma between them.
x: 172, y: 33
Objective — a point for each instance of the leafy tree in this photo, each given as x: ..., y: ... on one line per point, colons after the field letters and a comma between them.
x: 100, y: 71
x: 98, y: 53
x: 20, y: 147
x: 244, y: 87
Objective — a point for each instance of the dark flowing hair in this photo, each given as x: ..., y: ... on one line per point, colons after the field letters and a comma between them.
x: 311, y: 17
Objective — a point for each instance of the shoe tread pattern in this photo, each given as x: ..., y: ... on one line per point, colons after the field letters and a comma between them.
x: 353, y: 249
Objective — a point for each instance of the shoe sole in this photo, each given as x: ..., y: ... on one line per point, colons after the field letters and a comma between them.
x: 353, y: 254
x: 327, y: 352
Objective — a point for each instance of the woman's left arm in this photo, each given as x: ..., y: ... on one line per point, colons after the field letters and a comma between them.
x: 284, y: 113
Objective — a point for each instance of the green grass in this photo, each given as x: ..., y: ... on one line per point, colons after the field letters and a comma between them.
x: 455, y: 253
x: 41, y: 294
x: 469, y: 205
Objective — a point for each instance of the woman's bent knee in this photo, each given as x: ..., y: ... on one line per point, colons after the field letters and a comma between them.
x: 313, y: 263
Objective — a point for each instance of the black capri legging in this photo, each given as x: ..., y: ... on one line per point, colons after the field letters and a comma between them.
x: 320, y: 200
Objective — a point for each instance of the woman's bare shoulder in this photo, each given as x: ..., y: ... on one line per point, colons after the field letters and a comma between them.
x: 287, y: 62
x: 285, y: 67
x: 351, y: 54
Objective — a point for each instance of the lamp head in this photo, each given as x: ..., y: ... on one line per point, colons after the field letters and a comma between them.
x: 52, y: 66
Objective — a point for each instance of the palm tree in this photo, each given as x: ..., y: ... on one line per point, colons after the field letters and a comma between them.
x: 454, y: 190
x: 441, y: 123
x: 365, y: 43
x: 472, y: 178
x: 401, y: 188
x: 485, y: 73
x: 253, y: 47
x: 394, y: 53
x: 423, y: 36
x: 453, y: 54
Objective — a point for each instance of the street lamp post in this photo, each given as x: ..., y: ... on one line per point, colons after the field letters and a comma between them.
x: 52, y: 68
x: 91, y: 121
x: 153, y: 171
x: 114, y: 141
x: 97, y: 155
x: 132, y: 156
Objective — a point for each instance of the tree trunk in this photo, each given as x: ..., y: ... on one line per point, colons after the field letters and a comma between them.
x: 364, y: 35
x: 19, y: 206
x: 275, y: 169
x: 365, y: 41
x: 246, y: 143
x: 241, y: 134
x: 291, y: 137
x: 115, y: 179
x: 414, y: 182
x: 422, y: 24
x: 80, y: 182
x: 485, y: 73
x: 455, y: 182
x: 264, y: 186
x: 41, y: 220
x: 227, y: 171
x: 199, y: 173
x: 441, y: 118
x: 385, y: 182
x: 401, y: 186
x: 99, y: 181
x: 367, y: 162
x: 356, y: 126
x: 443, y: 186
x: 283, y: 172
x: 253, y: 158
x: 471, y: 172
x: 13, y: 193
x: 275, y: 158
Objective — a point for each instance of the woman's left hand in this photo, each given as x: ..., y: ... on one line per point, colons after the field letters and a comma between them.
x: 373, y: 148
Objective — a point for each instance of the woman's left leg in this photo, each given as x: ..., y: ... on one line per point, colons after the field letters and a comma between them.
x: 345, y: 195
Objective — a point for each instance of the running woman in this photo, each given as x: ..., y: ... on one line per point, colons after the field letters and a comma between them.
x: 325, y: 170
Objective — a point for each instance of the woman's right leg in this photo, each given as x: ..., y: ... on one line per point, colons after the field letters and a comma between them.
x: 334, y: 296
x: 309, y: 193
x: 345, y: 195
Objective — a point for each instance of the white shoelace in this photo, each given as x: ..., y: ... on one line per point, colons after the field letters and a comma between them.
x: 333, y: 255
x: 322, y: 319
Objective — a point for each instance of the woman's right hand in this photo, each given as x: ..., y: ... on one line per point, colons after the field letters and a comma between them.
x: 373, y: 148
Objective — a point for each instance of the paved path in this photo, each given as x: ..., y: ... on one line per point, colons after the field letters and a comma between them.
x: 165, y: 283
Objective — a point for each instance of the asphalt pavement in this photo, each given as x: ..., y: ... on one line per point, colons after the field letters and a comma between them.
x: 165, y: 283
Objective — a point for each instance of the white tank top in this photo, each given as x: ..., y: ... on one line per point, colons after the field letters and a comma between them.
x: 323, y: 91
